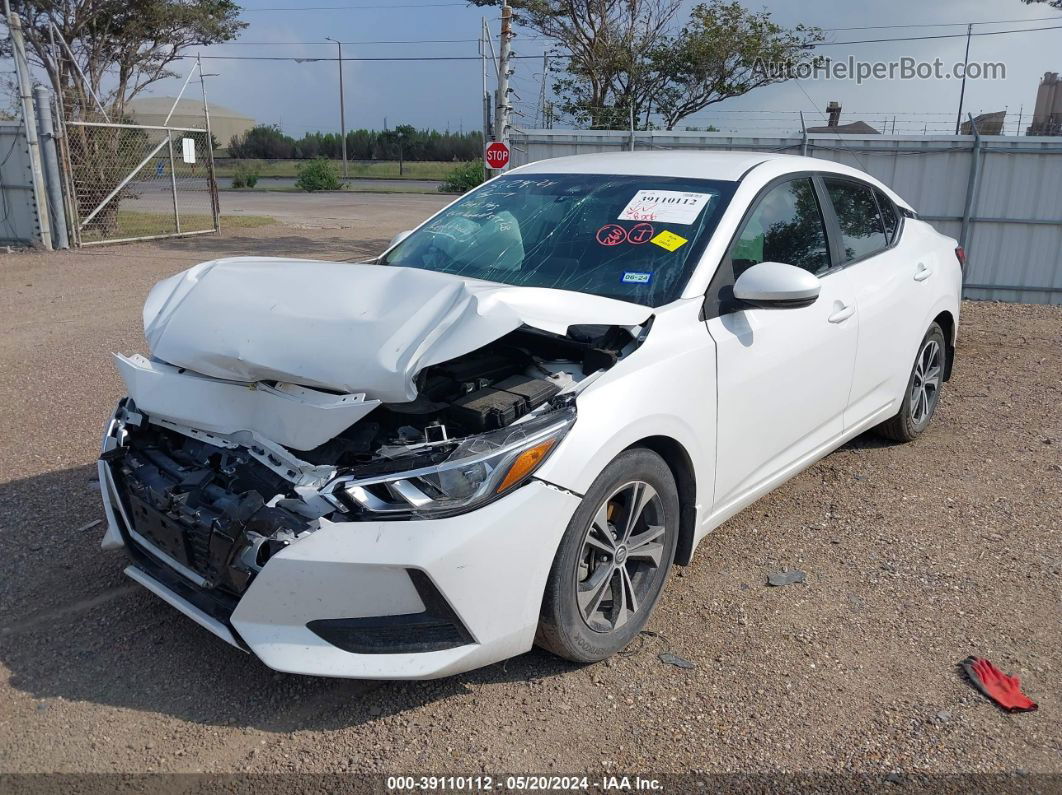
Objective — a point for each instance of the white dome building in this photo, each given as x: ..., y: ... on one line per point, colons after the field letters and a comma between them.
x: 224, y: 122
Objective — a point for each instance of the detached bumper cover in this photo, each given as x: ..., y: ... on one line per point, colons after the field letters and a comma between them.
x: 290, y: 415
x: 488, y: 568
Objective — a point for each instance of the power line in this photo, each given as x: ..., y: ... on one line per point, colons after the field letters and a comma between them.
x: 552, y: 55
x: 319, y: 43
x: 352, y: 8
x: 945, y: 24
x: 938, y: 36
x: 314, y: 59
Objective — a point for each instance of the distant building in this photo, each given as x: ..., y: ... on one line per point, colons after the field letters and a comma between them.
x: 1047, y: 116
x: 224, y: 122
x: 834, y: 125
x: 987, y: 124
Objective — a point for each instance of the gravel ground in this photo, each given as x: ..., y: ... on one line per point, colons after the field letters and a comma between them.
x: 916, y: 556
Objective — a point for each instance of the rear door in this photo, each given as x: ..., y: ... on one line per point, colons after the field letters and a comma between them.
x: 783, y: 375
x: 887, y: 279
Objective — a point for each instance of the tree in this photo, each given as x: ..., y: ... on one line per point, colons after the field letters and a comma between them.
x: 604, y: 43
x: 401, y: 136
x: 264, y: 141
x: 121, y: 47
x: 620, y: 56
x: 723, y: 52
x: 1053, y: 3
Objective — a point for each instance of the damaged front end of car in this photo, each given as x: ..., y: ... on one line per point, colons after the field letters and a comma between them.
x: 206, y: 479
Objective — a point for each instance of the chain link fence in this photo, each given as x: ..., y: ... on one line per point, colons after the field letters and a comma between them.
x: 132, y: 182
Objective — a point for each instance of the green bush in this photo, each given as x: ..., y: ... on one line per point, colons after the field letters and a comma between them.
x: 245, y: 174
x: 319, y: 174
x: 463, y: 178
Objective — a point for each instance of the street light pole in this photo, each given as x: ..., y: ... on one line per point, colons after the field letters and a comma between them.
x: 962, y: 91
x: 342, y: 112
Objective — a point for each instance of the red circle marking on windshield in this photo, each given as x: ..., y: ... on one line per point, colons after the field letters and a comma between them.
x: 611, y: 235
x: 640, y: 233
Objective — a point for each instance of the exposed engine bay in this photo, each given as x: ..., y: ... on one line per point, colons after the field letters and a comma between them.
x: 220, y: 505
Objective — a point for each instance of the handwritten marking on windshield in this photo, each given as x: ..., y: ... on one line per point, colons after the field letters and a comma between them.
x: 640, y: 233
x: 611, y: 235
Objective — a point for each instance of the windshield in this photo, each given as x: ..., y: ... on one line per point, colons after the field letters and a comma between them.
x: 627, y: 237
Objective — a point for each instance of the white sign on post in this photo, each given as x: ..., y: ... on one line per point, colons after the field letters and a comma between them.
x: 188, y: 149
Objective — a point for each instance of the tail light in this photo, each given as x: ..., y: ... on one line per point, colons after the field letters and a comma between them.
x: 960, y: 255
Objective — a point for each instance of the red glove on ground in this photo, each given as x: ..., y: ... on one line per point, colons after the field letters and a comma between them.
x: 1004, y: 690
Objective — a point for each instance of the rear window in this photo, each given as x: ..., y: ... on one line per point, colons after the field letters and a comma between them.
x: 634, y: 238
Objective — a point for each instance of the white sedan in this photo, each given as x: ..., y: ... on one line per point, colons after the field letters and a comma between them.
x: 507, y: 428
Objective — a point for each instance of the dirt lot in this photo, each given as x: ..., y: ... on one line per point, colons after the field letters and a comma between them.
x: 916, y: 557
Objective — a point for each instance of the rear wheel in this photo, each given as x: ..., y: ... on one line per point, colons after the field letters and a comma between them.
x: 613, y: 561
x: 923, y: 390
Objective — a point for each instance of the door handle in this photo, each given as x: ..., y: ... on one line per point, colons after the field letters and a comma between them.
x: 842, y: 314
x: 923, y: 272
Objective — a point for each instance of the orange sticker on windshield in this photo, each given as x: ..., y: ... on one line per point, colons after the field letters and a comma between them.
x: 670, y: 240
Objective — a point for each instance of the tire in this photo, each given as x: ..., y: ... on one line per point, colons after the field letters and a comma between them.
x: 923, y: 393
x: 584, y: 623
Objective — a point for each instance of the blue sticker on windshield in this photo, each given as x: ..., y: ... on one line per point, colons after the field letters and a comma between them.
x: 636, y: 277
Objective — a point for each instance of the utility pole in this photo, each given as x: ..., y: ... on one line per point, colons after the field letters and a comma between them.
x: 29, y: 126
x: 542, y: 90
x: 342, y: 112
x: 484, y: 98
x: 504, y: 54
x: 50, y: 157
x: 966, y: 65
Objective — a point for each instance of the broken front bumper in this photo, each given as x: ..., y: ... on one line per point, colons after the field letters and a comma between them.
x: 383, y: 600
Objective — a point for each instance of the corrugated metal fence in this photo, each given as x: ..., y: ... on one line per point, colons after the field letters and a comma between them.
x: 19, y: 223
x: 1000, y: 195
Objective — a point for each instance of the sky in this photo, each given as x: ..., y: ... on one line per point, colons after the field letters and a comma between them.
x: 303, y: 97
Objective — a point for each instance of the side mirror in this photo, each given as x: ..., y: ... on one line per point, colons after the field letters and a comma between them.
x: 775, y: 285
x: 399, y: 238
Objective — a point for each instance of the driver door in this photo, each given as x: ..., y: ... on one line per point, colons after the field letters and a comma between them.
x: 783, y: 375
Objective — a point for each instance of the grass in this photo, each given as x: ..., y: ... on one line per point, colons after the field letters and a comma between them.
x: 132, y: 223
x: 348, y: 188
x: 359, y: 169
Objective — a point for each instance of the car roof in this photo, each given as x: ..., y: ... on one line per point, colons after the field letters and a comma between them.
x: 696, y: 164
x: 699, y: 165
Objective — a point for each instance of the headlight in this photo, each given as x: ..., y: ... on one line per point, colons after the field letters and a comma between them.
x: 479, y: 470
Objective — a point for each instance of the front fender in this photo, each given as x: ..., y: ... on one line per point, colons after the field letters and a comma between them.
x: 664, y: 388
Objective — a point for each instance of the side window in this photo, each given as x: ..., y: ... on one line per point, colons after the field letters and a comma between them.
x: 786, y: 226
x: 862, y: 231
x: 889, y: 216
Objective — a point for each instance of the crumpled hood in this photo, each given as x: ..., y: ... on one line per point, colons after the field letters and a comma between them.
x: 353, y: 328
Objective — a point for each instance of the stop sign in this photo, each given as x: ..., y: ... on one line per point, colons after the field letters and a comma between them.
x: 497, y: 155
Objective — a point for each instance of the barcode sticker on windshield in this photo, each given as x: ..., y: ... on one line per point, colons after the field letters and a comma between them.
x: 665, y: 206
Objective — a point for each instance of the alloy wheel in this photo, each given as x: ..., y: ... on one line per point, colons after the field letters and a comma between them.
x: 621, y: 554
x: 925, y: 385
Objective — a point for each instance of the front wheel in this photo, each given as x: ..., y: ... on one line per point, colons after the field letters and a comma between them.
x: 923, y: 390
x: 613, y: 560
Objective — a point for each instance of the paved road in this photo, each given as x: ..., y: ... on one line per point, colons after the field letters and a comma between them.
x: 353, y: 184
x: 916, y: 555
x: 334, y: 210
